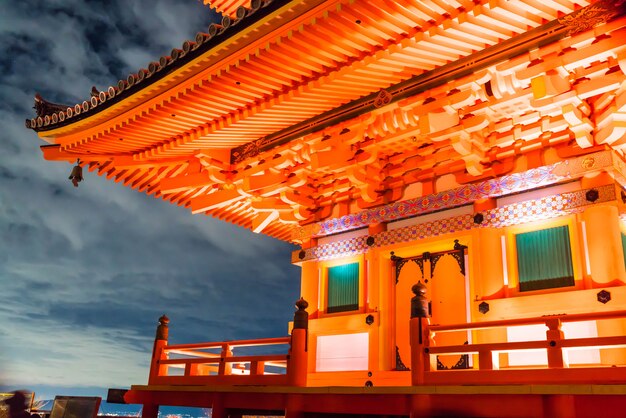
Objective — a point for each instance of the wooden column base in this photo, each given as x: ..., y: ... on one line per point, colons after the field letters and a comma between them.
x: 150, y: 411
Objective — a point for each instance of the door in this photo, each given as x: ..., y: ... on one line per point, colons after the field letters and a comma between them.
x: 443, y: 273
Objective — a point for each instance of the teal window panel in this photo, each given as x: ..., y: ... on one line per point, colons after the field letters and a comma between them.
x: 343, y: 288
x: 544, y: 259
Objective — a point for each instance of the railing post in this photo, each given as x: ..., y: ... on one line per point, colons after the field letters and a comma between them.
x: 297, y: 364
x: 485, y: 360
x: 554, y: 336
x: 419, y: 334
x: 225, y: 368
x: 192, y: 369
x: 257, y: 368
x: 158, y: 353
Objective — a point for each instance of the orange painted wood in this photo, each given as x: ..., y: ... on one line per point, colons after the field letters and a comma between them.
x: 554, y: 335
x: 158, y: 355
x: 192, y: 353
x: 478, y: 348
x: 214, y: 200
x: 267, y: 380
x: 230, y: 359
x: 234, y: 344
x: 150, y: 411
x: 530, y: 321
x: 257, y: 367
x: 618, y: 341
x: 564, y: 376
x: 485, y: 359
x: 297, y: 366
x: 513, y: 401
x: 182, y: 183
x: 419, y: 342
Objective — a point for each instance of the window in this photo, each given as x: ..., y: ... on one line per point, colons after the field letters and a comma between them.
x: 343, y: 288
x: 544, y: 259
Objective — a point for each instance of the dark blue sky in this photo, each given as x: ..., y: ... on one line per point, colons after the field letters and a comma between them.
x: 85, y: 272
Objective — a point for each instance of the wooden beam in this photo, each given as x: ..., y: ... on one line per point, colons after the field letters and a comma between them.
x: 270, y: 204
x: 54, y: 153
x: 263, y: 219
x: 214, y: 200
x: 251, y: 183
x: 181, y: 183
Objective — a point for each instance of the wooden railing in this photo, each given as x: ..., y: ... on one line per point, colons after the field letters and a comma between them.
x: 554, y: 342
x: 217, y: 364
x: 201, y: 366
x: 487, y: 369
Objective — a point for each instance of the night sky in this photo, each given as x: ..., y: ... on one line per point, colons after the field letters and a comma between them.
x: 85, y: 272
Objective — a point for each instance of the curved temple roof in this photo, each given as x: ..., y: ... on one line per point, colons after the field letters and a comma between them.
x: 226, y: 7
x: 60, y: 115
x: 292, y: 113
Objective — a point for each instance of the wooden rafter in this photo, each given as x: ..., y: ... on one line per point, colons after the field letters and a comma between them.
x: 311, y: 131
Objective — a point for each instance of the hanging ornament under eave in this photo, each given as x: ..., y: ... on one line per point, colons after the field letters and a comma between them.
x: 76, y: 176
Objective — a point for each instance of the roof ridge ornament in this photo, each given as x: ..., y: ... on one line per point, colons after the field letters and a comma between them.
x: 49, y: 114
x: 45, y: 108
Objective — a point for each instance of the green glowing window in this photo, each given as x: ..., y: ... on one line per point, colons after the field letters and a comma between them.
x: 343, y: 288
x: 544, y: 259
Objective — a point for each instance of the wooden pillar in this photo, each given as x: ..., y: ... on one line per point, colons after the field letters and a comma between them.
x: 490, y: 283
x: 604, y: 244
x: 559, y: 406
x: 421, y: 406
x: 419, y: 335
x: 150, y: 411
x: 225, y: 368
x: 293, y: 407
x: 158, y: 352
x: 217, y: 407
x: 297, y: 367
x: 554, y: 336
x: 294, y: 413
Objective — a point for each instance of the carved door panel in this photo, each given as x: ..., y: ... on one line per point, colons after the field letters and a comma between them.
x: 446, y: 291
x: 443, y: 273
x: 410, y: 273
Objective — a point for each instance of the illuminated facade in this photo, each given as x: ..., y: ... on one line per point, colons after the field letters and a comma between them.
x: 475, y: 147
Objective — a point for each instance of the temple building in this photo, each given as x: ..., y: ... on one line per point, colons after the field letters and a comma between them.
x: 454, y: 173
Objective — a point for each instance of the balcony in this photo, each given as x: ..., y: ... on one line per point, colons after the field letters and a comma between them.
x: 217, y: 375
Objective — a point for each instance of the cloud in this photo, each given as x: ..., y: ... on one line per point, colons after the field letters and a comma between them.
x: 85, y: 272
x: 64, y: 356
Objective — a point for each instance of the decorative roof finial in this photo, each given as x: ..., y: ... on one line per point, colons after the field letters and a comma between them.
x: 44, y: 107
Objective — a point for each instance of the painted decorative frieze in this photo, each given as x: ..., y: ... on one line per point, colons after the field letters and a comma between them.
x: 548, y: 207
x: 513, y: 183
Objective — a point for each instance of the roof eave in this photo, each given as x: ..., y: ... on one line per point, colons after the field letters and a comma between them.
x: 172, y: 70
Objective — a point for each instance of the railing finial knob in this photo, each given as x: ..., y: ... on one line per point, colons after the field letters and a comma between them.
x: 302, y: 304
x: 301, y: 316
x: 419, y: 302
x: 163, y: 329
